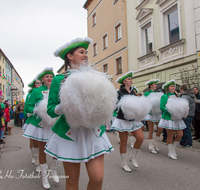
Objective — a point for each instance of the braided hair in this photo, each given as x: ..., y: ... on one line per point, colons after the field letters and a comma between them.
x: 167, y: 89
x: 67, y: 61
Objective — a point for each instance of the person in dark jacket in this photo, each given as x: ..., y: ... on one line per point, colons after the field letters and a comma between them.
x: 186, y: 140
x: 196, y: 120
x: 124, y: 126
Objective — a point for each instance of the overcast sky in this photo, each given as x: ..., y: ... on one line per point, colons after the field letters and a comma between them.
x: 31, y: 30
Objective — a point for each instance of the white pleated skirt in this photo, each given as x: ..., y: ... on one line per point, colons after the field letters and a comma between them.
x: 36, y: 133
x: 86, y: 146
x: 156, y: 117
x: 123, y: 125
x: 173, y: 125
x: 24, y: 127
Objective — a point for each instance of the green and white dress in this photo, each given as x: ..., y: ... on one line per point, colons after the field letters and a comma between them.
x: 69, y: 144
x: 37, y: 129
x: 166, y: 120
x: 154, y: 117
x: 28, y: 116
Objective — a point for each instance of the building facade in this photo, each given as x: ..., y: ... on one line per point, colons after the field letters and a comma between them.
x: 8, y: 82
x: 17, y: 87
x: 11, y: 83
x: 163, y: 41
x: 107, y: 27
x: 2, y: 74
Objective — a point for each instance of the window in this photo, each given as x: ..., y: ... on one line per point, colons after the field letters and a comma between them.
x: 118, y: 32
x: 173, y: 25
x: 3, y: 71
x: 105, y: 41
x: 0, y: 57
x: 3, y: 89
x: 94, y: 19
x: 3, y: 59
x: 0, y: 69
x: 94, y: 49
x: 105, y: 68
x: 0, y: 86
x: 148, y: 40
x: 119, y: 65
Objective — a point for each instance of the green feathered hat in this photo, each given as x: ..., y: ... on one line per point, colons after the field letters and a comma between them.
x: 78, y: 42
x: 120, y: 79
x: 31, y: 84
x: 171, y: 82
x: 47, y: 70
x: 134, y: 88
x: 152, y: 81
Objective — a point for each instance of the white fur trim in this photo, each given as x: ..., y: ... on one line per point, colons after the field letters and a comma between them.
x: 87, y: 98
x: 177, y: 107
x: 41, y: 111
x: 46, y: 69
x: 58, y: 110
x: 57, y: 52
x: 124, y: 75
x: 163, y: 86
x: 152, y: 80
x: 154, y: 99
x: 134, y: 107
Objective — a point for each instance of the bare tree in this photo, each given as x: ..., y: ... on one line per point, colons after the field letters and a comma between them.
x: 190, y: 78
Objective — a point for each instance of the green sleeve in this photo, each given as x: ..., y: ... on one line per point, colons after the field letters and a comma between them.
x: 54, y: 100
x: 163, y: 102
x: 146, y: 93
x: 25, y: 107
x: 35, y: 96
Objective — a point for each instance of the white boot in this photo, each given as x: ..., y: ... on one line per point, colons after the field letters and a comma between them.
x: 33, y: 158
x: 36, y: 156
x: 54, y: 170
x: 175, y: 143
x: 124, y: 163
x: 156, y: 139
x: 133, y: 157
x: 118, y: 137
x: 132, y: 138
x: 151, y: 146
x: 171, y: 152
x: 45, y: 181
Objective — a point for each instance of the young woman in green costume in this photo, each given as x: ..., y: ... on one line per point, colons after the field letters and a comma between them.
x: 33, y: 143
x: 153, y: 118
x: 171, y: 126
x: 37, y: 128
x: 123, y: 126
x: 72, y: 145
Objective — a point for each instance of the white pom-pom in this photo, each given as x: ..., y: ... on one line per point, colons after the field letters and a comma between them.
x: 87, y: 98
x: 154, y: 99
x: 41, y: 111
x: 178, y: 108
x: 134, y: 107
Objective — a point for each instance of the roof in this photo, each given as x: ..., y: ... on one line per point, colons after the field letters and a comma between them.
x: 85, y: 6
x: 58, y: 71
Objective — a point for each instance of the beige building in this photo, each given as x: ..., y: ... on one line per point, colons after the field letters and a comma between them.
x: 18, y: 86
x: 163, y: 40
x: 106, y: 25
x: 2, y: 74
